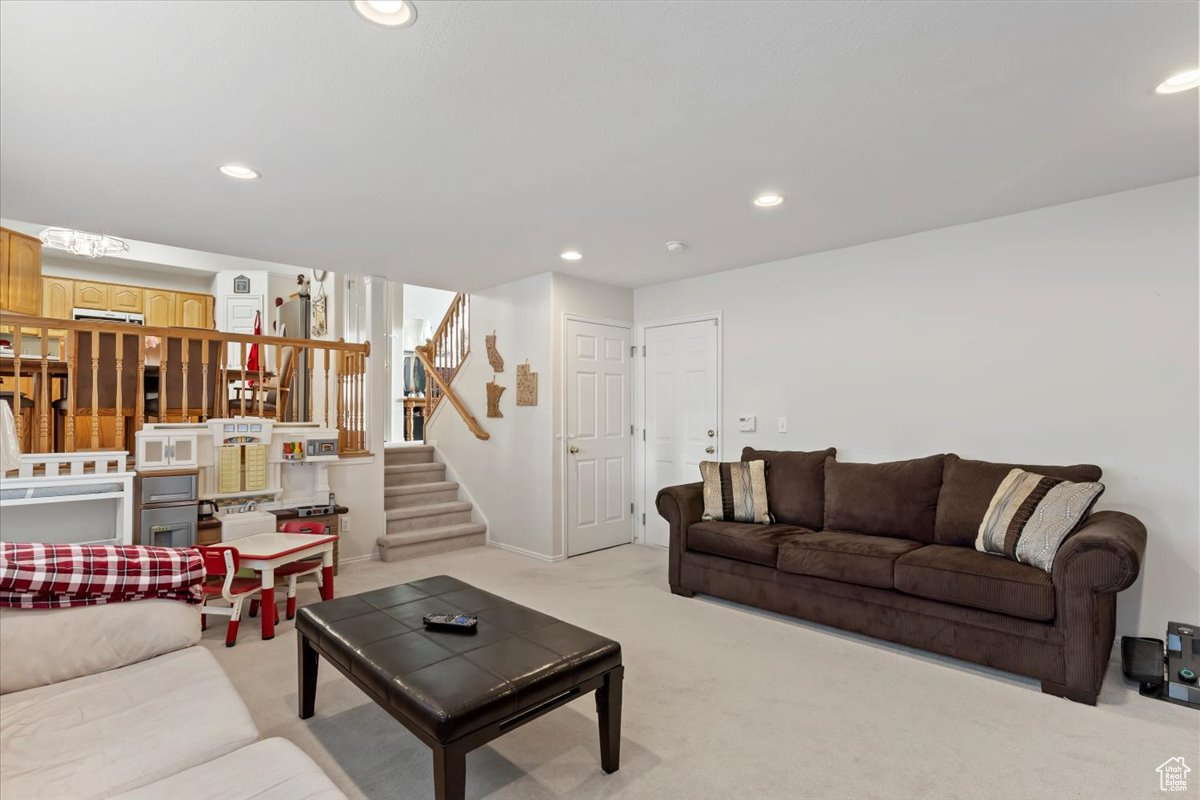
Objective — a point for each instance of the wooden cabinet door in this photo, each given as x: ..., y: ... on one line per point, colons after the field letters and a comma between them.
x: 192, y: 310
x: 92, y: 294
x: 58, y: 295
x: 21, y: 274
x: 126, y: 298
x: 160, y: 308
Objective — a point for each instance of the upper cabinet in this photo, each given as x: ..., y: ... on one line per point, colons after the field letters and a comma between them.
x: 193, y: 310
x: 94, y: 295
x: 160, y: 308
x: 20, y: 273
x: 126, y: 298
x: 58, y: 297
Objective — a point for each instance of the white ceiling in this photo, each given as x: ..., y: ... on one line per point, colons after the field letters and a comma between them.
x: 473, y: 147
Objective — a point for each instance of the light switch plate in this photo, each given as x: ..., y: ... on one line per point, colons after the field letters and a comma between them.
x: 747, y: 424
x: 783, y: 424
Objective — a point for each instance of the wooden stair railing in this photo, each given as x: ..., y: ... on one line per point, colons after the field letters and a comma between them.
x: 443, y: 356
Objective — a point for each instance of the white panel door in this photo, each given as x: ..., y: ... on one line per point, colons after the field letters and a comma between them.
x: 598, y: 402
x: 239, y: 318
x: 681, y: 411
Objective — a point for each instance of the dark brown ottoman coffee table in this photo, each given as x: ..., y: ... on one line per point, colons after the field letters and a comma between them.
x: 458, y: 691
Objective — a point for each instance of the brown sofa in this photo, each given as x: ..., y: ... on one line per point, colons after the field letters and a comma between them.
x: 888, y: 550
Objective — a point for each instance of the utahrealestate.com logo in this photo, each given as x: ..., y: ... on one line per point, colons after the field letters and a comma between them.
x: 1172, y: 775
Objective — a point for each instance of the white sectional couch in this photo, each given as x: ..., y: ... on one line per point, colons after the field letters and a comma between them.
x: 120, y: 701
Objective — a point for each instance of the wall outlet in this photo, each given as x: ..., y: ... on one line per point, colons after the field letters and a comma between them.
x: 747, y: 424
x: 783, y: 424
x: 344, y: 524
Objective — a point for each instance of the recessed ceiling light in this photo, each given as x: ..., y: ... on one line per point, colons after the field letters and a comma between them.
x: 388, y: 13
x: 571, y: 255
x: 675, y: 247
x: 768, y: 200
x: 1188, y: 79
x: 240, y: 172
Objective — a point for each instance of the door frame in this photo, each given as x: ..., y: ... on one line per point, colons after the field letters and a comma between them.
x: 645, y: 498
x: 561, y: 438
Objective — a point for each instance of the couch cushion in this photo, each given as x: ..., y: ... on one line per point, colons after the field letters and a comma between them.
x: 968, y: 487
x: 273, y: 769
x: 105, y: 733
x: 965, y: 577
x: 743, y: 541
x: 848, y: 557
x: 795, y: 484
x: 897, y: 499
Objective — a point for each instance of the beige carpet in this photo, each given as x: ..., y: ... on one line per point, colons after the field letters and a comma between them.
x: 727, y: 702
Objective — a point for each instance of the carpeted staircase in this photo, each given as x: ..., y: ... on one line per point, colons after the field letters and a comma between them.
x: 424, y: 513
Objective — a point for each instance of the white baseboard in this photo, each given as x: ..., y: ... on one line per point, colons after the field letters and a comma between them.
x: 521, y: 551
x: 368, y: 557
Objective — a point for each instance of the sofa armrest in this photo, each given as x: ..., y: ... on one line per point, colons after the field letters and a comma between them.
x: 43, y: 646
x: 681, y: 506
x: 1103, y: 556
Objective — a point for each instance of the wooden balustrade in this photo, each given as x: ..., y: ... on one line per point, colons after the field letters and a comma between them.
x: 118, y: 376
x: 443, y: 356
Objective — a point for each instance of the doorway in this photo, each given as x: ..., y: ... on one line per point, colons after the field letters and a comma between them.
x: 682, y: 387
x: 597, y: 393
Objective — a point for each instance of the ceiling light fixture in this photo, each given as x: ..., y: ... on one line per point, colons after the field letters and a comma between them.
x: 571, y: 255
x: 240, y: 172
x: 768, y: 200
x: 81, y: 243
x: 675, y: 247
x: 388, y: 13
x: 1181, y: 82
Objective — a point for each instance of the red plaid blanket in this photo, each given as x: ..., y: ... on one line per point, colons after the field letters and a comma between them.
x: 34, y: 575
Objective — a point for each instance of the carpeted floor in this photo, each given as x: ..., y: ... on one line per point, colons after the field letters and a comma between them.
x: 723, y: 701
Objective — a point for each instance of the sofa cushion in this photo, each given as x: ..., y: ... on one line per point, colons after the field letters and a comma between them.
x: 106, y: 733
x: 968, y: 487
x: 273, y: 769
x: 965, y: 577
x: 897, y: 499
x: 743, y: 541
x: 847, y: 557
x: 795, y: 484
x: 735, y: 491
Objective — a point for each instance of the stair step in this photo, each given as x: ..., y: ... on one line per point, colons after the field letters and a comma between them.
x: 419, y: 494
x: 408, y: 454
x: 408, y: 474
x: 432, y: 515
x: 426, y: 541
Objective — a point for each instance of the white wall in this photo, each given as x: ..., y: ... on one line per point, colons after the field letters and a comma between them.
x: 585, y: 298
x: 421, y: 302
x: 509, y: 476
x: 1056, y: 336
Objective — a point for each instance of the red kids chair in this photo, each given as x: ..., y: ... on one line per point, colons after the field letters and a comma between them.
x: 297, y: 569
x: 220, y: 566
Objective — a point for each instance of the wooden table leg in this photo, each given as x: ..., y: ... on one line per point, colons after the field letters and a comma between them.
x: 307, y: 661
x: 449, y: 773
x: 608, y: 709
x: 268, y: 603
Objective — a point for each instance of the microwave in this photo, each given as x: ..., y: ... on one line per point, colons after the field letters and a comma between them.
x: 322, y: 447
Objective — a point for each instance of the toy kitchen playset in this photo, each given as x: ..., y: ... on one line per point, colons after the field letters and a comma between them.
x: 250, y: 472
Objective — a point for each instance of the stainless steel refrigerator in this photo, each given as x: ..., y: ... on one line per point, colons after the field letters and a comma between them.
x: 293, y: 320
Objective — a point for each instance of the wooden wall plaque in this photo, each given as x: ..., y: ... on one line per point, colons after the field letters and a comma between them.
x: 527, y: 385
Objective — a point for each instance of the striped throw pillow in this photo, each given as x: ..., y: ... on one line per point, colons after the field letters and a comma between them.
x: 736, y: 491
x: 1030, y: 515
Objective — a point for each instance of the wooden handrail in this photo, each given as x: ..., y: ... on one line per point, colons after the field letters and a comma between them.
x: 199, y: 377
x: 425, y: 354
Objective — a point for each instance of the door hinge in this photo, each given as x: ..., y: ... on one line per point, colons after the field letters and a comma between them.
x: 643, y: 350
x: 643, y: 434
x: 633, y: 350
x: 643, y: 520
x: 631, y: 430
x: 631, y: 508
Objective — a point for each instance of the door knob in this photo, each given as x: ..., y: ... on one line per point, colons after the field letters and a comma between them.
x: 711, y: 434
x: 710, y: 449
x: 573, y: 450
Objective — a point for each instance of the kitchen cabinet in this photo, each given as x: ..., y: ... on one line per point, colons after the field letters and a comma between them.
x: 193, y: 310
x: 20, y: 273
x: 162, y: 450
x: 126, y: 298
x: 160, y: 308
x: 58, y: 297
x: 93, y: 294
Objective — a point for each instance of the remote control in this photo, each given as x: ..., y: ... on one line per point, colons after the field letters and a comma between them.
x: 457, y: 623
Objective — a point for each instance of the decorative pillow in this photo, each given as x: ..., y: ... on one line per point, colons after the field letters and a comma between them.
x: 735, y: 491
x: 1031, y: 514
x: 795, y: 484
